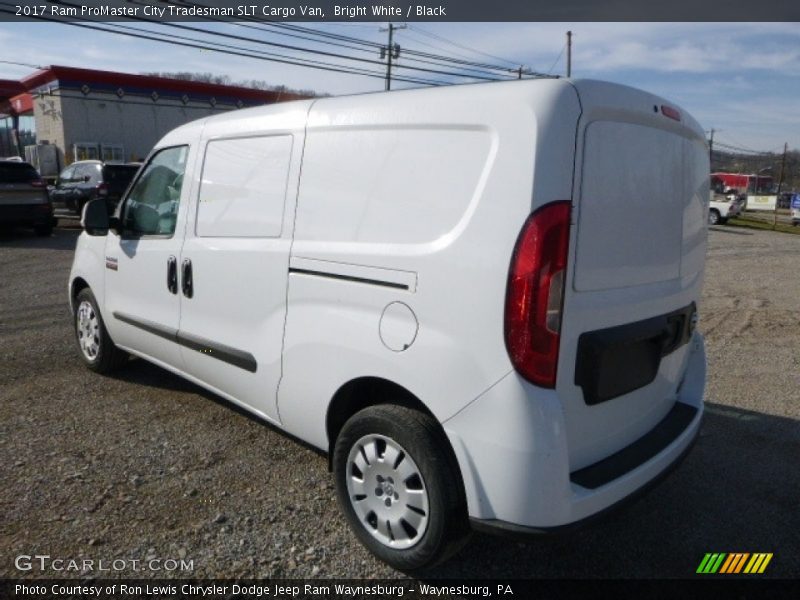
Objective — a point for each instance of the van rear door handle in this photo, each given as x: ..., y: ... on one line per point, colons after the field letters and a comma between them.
x: 186, y: 276
x: 172, y: 275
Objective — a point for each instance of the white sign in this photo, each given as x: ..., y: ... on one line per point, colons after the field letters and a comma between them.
x: 761, y: 202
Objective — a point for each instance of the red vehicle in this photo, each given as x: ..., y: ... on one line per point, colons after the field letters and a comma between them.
x: 742, y: 183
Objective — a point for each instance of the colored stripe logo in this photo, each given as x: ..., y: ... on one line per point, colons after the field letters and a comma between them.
x: 734, y: 562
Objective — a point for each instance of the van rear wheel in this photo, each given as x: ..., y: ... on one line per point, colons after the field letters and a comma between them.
x: 94, y: 344
x: 399, y: 488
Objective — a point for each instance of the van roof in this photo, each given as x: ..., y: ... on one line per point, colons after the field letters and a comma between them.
x: 192, y: 129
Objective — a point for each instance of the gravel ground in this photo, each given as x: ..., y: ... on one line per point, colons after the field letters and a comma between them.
x: 144, y: 465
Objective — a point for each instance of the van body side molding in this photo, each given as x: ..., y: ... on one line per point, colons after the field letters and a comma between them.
x: 232, y: 356
x: 149, y: 326
x: 391, y: 278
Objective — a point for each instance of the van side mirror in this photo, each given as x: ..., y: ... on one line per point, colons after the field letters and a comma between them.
x: 95, y: 217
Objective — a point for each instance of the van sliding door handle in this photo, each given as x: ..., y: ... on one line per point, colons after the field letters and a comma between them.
x: 172, y: 275
x: 186, y: 276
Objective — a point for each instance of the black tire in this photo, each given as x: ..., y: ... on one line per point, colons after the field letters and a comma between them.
x: 713, y: 216
x: 45, y: 230
x: 422, y: 440
x: 107, y: 357
x: 722, y: 221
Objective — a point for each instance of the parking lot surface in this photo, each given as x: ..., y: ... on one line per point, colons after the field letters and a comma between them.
x: 144, y: 465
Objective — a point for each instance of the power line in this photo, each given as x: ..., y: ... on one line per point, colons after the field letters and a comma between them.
x: 306, y: 31
x: 356, y: 43
x: 408, y: 51
x: 456, y: 56
x: 739, y: 149
x: 555, y: 62
x: 457, y: 45
x: 21, y: 64
x: 300, y: 48
x: 464, y: 69
x: 472, y: 63
x: 505, y: 71
x: 231, y: 50
x: 467, y: 71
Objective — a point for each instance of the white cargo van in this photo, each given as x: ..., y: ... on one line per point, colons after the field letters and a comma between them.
x: 479, y: 300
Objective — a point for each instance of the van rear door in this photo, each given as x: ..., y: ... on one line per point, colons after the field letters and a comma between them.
x: 638, y: 250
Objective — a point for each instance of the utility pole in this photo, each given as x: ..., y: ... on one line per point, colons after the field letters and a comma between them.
x: 569, y: 54
x: 711, y: 149
x: 780, y: 185
x: 519, y: 72
x: 390, y: 51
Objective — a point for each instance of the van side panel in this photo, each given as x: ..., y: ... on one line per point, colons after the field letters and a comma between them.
x: 427, y: 186
x: 393, y: 185
x: 238, y: 237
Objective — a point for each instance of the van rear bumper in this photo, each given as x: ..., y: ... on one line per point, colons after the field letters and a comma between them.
x: 505, y: 529
x: 513, y: 453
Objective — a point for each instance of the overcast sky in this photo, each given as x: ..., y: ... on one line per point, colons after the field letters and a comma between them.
x: 743, y: 79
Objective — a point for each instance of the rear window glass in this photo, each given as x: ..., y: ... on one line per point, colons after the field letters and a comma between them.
x: 92, y: 171
x: 244, y: 186
x: 17, y: 173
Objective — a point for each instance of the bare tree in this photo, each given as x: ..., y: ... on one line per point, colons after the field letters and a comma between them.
x: 255, y: 84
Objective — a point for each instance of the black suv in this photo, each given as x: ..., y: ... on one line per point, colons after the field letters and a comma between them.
x: 23, y: 198
x: 89, y: 179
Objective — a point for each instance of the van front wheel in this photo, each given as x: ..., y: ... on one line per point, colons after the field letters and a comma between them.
x: 399, y: 488
x: 94, y: 344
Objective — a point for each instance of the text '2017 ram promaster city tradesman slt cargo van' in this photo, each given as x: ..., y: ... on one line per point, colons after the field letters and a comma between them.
x: 479, y: 300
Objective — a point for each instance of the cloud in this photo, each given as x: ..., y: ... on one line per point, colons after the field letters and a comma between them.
x: 740, y: 77
x: 659, y: 47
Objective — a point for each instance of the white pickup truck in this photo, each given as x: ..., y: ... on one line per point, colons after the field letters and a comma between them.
x: 722, y: 207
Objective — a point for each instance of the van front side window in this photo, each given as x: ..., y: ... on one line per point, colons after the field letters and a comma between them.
x: 151, y: 207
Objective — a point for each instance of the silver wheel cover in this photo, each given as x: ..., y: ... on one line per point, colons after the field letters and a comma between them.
x: 387, y: 491
x: 87, y: 325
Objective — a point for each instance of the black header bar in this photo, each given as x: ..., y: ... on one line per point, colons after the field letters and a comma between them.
x: 402, y: 10
x: 705, y: 587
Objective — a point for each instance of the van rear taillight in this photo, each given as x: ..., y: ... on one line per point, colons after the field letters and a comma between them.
x: 535, y: 293
x: 102, y: 189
